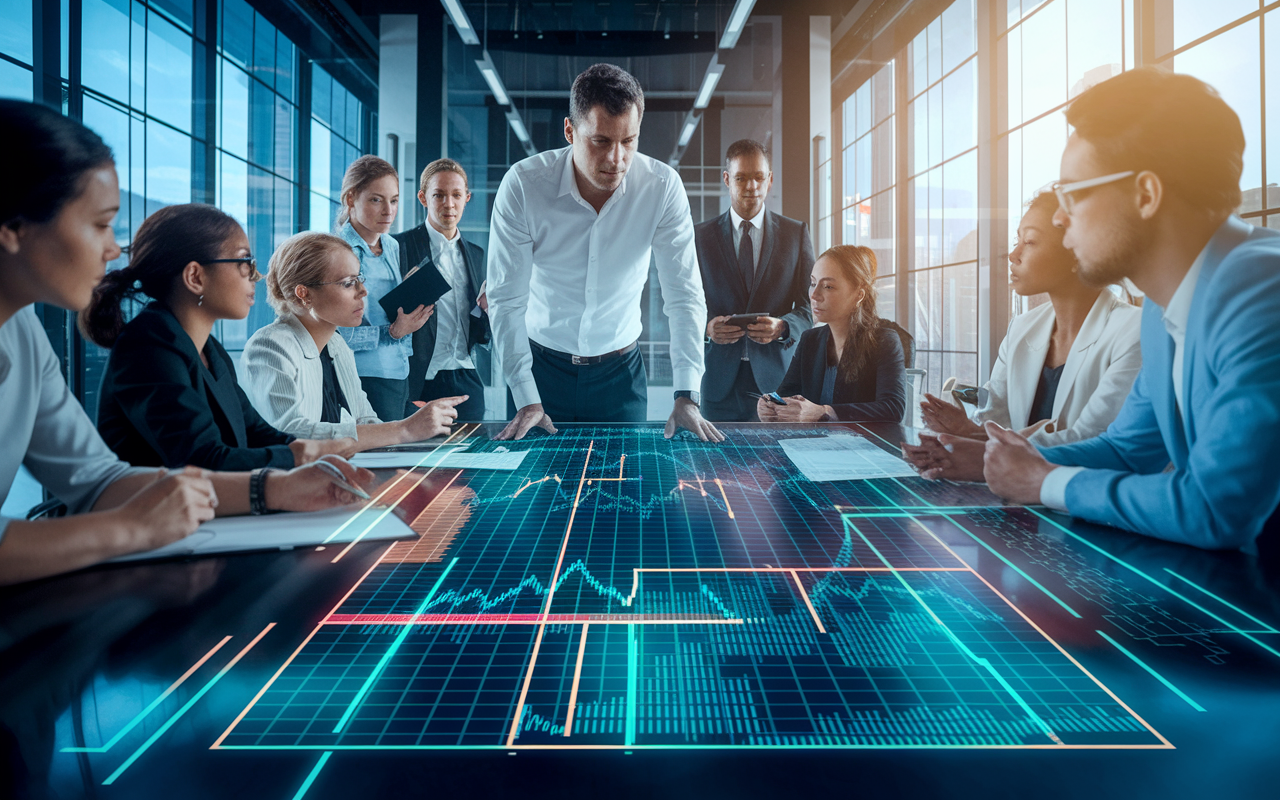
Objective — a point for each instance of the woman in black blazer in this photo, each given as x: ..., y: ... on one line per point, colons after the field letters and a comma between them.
x: 850, y: 369
x: 170, y: 397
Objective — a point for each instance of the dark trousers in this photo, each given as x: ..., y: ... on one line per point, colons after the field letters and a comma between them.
x: 387, y: 396
x: 452, y: 383
x: 615, y: 390
x: 738, y: 405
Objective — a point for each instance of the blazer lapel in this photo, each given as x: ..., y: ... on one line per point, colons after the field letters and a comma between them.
x: 224, y: 395
x: 1094, y: 323
x: 1228, y: 237
x: 766, y: 256
x: 1157, y: 364
x: 1024, y: 370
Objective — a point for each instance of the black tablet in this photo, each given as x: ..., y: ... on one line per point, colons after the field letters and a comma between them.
x: 422, y: 288
x: 743, y: 320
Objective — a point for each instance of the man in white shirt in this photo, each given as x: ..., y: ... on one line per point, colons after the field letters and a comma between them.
x: 571, y: 235
x: 442, y: 364
x: 1150, y: 178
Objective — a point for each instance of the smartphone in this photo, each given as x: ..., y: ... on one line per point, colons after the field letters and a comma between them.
x: 772, y: 397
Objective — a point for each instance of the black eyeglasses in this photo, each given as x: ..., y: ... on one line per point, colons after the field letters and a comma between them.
x: 248, y: 266
x: 346, y: 283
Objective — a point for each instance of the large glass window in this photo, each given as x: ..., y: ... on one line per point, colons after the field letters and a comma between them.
x: 16, y: 52
x: 942, y: 187
x: 336, y: 120
x: 867, y: 205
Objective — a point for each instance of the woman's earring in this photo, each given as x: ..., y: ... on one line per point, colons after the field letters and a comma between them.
x: 200, y: 302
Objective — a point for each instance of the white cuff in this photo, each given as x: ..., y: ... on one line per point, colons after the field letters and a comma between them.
x: 687, y: 379
x: 525, y: 393
x: 1053, y: 491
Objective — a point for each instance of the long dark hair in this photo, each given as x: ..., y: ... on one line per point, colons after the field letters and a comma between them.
x: 858, y: 266
x: 166, y: 242
x: 49, y: 156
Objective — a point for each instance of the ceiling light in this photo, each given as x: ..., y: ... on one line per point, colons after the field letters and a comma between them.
x: 709, y: 81
x: 737, y: 21
x: 461, y: 21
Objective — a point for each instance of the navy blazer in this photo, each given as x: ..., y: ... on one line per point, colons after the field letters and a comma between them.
x: 878, y: 394
x: 1206, y: 476
x: 160, y: 406
x: 780, y: 288
x: 415, y: 250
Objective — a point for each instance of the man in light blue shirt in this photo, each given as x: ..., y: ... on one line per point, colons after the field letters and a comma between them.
x: 1150, y: 179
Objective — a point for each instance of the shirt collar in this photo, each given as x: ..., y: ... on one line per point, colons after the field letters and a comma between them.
x: 348, y: 234
x: 756, y: 222
x: 1178, y: 311
x: 569, y: 184
x: 437, y: 238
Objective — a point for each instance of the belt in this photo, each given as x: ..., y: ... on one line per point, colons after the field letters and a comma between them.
x: 584, y: 360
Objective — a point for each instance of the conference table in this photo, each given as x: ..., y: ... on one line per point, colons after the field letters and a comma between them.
x: 613, y: 613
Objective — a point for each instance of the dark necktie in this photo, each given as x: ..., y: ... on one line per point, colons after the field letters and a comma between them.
x: 746, y: 254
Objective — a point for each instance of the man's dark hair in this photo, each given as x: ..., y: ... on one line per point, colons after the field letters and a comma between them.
x: 612, y: 88
x: 1176, y: 126
x: 744, y: 147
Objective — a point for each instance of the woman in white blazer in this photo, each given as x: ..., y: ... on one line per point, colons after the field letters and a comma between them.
x: 1064, y: 368
x: 302, y: 378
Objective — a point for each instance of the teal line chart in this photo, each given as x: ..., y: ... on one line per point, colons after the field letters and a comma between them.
x: 625, y: 591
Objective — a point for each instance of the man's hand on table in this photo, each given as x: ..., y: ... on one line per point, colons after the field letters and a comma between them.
x: 525, y: 420
x: 686, y: 415
x: 1013, y: 466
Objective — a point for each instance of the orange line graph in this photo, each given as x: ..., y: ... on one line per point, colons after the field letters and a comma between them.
x: 551, y: 591
x: 812, y: 611
x: 577, y: 675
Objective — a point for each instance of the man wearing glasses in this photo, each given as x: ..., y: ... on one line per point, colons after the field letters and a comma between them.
x: 1150, y: 180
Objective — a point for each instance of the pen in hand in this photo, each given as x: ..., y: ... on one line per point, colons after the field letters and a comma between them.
x: 336, y: 476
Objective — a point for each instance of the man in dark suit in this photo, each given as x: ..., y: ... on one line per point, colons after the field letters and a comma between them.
x: 752, y: 260
x: 441, y: 364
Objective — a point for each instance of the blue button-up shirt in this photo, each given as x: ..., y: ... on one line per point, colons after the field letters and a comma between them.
x: 377, y: 354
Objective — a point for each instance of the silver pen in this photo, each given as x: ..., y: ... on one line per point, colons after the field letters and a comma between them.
x: 337, y: 477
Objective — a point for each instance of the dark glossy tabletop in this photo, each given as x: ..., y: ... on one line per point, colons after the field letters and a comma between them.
x: 629, y: 616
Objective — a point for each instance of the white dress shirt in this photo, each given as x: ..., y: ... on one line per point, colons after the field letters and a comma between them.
x: 571, y: 279
x: 1053, y: 490
x: 452, y: 322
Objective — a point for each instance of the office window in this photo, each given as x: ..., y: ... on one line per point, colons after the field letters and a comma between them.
x: 942, y: 188
x: 16, y: 53
x: 257, y: 143
x: 336, y: 134
x: 867, y: 205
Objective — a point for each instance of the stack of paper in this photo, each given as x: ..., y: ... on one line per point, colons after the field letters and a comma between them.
x: 843, y: 457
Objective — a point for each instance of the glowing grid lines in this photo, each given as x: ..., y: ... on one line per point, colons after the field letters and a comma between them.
x: 786, y: 624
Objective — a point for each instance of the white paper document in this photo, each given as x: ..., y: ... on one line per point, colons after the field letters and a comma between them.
x: 843, y: 457
x: 408, y: 459
x: 284, y: 531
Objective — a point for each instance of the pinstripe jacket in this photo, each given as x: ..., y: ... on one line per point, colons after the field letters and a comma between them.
x: 286, y: 381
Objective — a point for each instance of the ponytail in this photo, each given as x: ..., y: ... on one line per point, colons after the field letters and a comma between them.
x: 166, y: 242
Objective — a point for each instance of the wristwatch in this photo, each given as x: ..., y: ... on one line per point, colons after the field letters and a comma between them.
x: 688, y: 395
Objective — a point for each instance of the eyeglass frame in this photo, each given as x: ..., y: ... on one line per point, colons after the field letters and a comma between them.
x: 253, y: 274
x: 359, y: 277
x: 1063, y: 191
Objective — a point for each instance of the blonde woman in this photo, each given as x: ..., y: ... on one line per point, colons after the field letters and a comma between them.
x: 382, y: 346
x: 852, y: 368
x: 301, y: 376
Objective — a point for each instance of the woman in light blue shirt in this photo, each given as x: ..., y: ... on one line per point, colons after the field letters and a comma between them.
x: 370, y: 200
x: 56, y: 239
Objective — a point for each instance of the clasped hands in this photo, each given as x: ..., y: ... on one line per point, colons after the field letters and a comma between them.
x: 1012, y: 467
x: 762, y: 331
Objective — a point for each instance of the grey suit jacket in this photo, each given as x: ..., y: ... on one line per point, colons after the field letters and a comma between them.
x: 780, y: 288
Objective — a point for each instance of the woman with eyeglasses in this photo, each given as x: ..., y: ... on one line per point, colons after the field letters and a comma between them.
x: 56, y: 239
x: 169, y: 394
x: 301, y: 375
x: 1064, y: 368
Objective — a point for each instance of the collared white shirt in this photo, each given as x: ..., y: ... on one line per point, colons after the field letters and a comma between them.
x: 571, y: 279
x: 452, y: 322
x: 1053, y: 490
x: 756, y: 231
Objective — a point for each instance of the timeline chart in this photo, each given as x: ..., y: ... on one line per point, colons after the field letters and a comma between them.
x: 627, y: 591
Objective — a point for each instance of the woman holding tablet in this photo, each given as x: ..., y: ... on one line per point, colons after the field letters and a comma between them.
x: 382, y: 346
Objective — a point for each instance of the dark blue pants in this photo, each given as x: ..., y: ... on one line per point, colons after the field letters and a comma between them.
x: 738, y: 405
x: 387, y: 396
x: 452, y: 383
x: 616, y: 390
